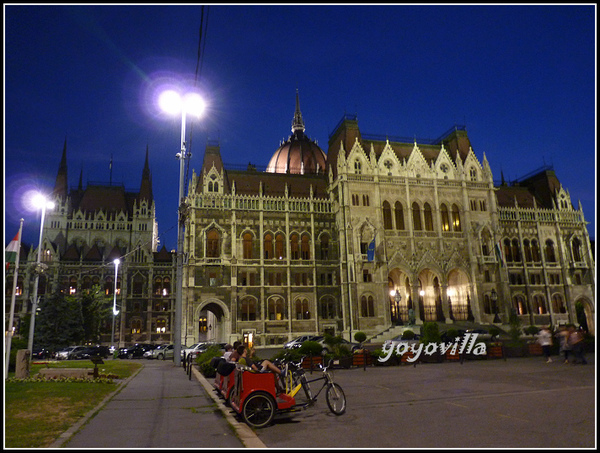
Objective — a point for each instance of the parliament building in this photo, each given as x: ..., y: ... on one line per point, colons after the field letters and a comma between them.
x: 362, y: 237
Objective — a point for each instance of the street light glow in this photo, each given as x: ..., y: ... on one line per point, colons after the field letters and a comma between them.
x: 171, y: 102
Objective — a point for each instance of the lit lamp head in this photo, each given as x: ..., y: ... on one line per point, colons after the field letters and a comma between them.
x: 172, y: 102
x: 40, y: 201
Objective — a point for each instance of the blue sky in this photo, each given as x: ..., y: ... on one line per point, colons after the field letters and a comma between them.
x: 521, y: 78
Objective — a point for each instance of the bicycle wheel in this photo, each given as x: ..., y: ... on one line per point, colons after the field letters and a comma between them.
x: 336, y: 400
x: 258, y: 410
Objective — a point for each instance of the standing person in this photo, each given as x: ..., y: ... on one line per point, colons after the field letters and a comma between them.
x: 565, y: 348
x: 544, y: 339
x: 576, y: 342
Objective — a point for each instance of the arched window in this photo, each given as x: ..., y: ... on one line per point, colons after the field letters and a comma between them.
x: 387, y: 216
x: 428, y: 216
x: 576, y: 247
x: 136, y: 325
x: 539, y: 305
x: 520, y: 305
x: 399, y: 216
x: 324, y: 247
x: 276, y: 308
x: 550, y: 254
x: 535, y: 251
x: 508, y: 251
x: 328, y: 308
x: 73, y: 285
x: 305, y: 247
x: 367, y: 306
x: 527, y: 251
x: 161, y: 325
x: 268, y: 246
x: 247, y: 245
x: 416, y: 210
x: 213, y: 244
x: 473, y: 174
x: 455, y: 218
x: 294, y: 247
x: 248, y: 309
x: 279, y: 247
x: 301, y: 307
x: 357, y: 167
x: 516, y: 251
x: 445, y: 218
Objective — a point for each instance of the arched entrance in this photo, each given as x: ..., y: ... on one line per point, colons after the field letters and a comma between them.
x: 458, y: 296
x: 585, y: 314
x: 430, y: 296
x: 210, y: 322
x: 400, y: 300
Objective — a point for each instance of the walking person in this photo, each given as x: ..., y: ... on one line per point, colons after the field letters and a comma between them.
x: 563, y: 338
x: 544, y: 339
x: 576, y: 342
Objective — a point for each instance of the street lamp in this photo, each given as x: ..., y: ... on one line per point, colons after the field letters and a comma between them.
x: 38, y: 201
x: 115, y: 311
x: 173, y: 103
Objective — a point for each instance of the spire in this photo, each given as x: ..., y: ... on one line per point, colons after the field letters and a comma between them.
x: 61, y: 186
x: 298, y: 122
x: 146, y: 185
x: 80, y: 187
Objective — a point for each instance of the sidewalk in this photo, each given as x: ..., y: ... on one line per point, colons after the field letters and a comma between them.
x: 159, y: 407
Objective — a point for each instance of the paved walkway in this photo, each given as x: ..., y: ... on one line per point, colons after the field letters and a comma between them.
x: 160, y: 407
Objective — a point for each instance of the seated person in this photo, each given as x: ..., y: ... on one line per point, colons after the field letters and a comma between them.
x: 234, y: 356
x: 228, y: 351
x: 263, y: 365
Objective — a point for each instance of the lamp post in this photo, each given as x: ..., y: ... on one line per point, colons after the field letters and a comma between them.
x: 494, y: 298
x: 115, y: 311
x: 39, y: 201
x: 9, y: 332
x: 171, y: 102
x: 397, y: 299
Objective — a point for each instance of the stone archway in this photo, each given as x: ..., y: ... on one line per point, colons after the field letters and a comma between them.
x: 399, y: 294
x: 430, y: 296
x: 458, y: 293
x: 585, y: 314
x: 211, y: 321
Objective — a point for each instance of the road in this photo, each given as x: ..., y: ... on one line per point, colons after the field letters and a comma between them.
x: 517, y: 403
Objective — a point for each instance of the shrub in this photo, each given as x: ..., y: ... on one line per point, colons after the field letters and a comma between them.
x: 310, y: 348
x: 203, y: 360
x: 408, y: 335
x: 494, y: 332
x: 531, y: 330
x: 360, y: 337
x: 431, y: 333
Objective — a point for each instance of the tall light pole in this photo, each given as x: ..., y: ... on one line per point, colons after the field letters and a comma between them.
x: 172, y: 102
x: 115, y: 311
x: 39, y: 201
x: 9, y: 332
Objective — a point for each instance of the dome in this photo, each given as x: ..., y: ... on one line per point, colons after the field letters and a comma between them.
x: 298, y: 154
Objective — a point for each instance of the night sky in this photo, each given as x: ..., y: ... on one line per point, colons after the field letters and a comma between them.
x: 521, y: 78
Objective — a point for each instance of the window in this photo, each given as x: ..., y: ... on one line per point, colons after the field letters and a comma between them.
x: 367, y: 277
x: 519, y: 305
x: 268, y: 246
x: 279, y: 247
x: 248, y: 309
x: 294, y: 247
x: 539, y: 305
x: 161, y: 325
x: 305, y: 247
x: 576, y: 247
x: 276, y: 312
x: 367, y: 307
x: 508, y: 251
x: 399, y: 216
x: 455, y: 218
x: 357, y: 167
x: 328, y: 308
x: 550, y: 254
x: 136, y: 326
x: 445, y: 218
x: 473, y: 174
x: 301, y: 307
x: 355, y: 200
x: 387, y: 216
x: 365, y: 200
x: 247, y: 245
x: 324, y: 247
x: 516, y: 251
x: 212, y: 244
x: 558, y: 304
x: 428, y: 217
x: 416, y: 216
x: 527, y: 251
x: 73, y: 285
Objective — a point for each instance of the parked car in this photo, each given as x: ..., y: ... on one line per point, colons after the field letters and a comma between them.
x: 297, y: 342
x: 327, y: 349
x: 398, y: 339
x: 87, y: 353
x: 161, y: 352
x: 41, y: 353
x: 199, y: 348
x: 67, y: 353
x: 134, y: 352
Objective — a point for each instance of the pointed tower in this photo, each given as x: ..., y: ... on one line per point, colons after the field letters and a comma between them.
x: 61, y: 186
x: 297, y: 122
x: 146, y: 185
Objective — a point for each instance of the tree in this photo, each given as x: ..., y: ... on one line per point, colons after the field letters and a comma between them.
x: 96, y: 311
x: 59, y: 323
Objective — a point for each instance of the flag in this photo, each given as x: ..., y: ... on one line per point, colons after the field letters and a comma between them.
x: 499, y: 254
x: 371, y: 251
x: 10, y: 254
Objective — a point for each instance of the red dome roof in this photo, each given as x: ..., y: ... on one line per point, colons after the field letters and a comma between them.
x: 299, y: 154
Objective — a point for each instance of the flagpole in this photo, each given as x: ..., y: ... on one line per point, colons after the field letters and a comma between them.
x: 9, y: 333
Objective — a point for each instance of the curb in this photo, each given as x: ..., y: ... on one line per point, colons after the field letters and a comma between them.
x: 64, y: 437
x: 246, y: 435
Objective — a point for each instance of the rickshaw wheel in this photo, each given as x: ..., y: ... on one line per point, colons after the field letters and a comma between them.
x: 258, y: 410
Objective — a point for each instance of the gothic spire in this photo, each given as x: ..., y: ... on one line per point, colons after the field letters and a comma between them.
x: 61, y: 185
x: 146, y: 185
x: 298, y: 122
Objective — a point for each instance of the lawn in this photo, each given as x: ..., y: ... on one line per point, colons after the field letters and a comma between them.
x: 37, y: 413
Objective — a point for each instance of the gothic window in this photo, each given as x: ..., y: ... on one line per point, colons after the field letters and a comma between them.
x: 247, y: 245
x: 455, y: 218
x: 508, y: 251
x: 539, y: 305
x: 516, y: 252
x: 161, y: 325
x: 276, y: 308
x: 248, y: 309
x: 416, y: 210
x: 355, y: 200
x: 357, y: 167
x: 367, y: 307
x: 279, y: 247
x: 445, y: 218
x: 212, y: 244
x: 550, y: 254
x: 558, y: 304
x: 328, y: 308
x: 294, y: 247
x: 399, y: 216
x: 138, y: 285
x: 387, y: 216
x: 473, y: 174
x: 305, y: 247
x: 324, y: 247
x: 576, y: 247
x: 365, y: 200
x: 428, y: 217
x: 301, y: 307
x: 527, y: 251
x: 535, y: 251
x: 519, y: 305
x: 268, y: 246
x: 136, y: 325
